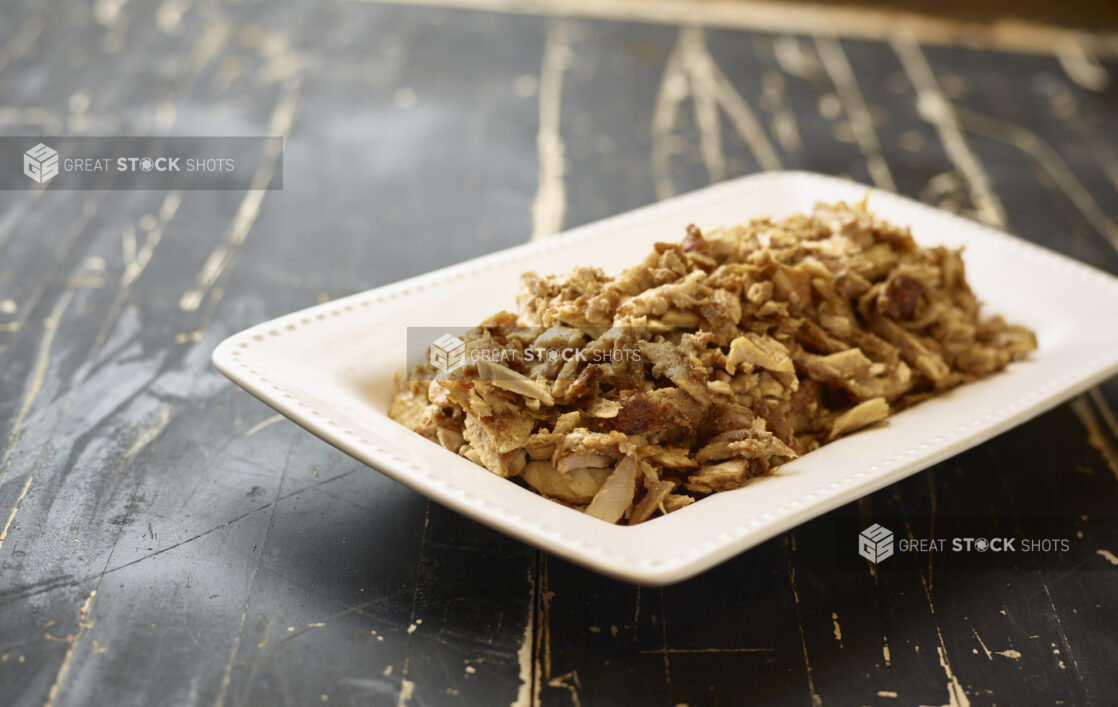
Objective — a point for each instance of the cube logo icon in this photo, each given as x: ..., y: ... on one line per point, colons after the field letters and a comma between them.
x: 40, y: 163
x: 447, y: 353
x: 875, y: 543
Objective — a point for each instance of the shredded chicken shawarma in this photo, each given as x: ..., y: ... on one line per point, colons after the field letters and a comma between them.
x: 711, y: 363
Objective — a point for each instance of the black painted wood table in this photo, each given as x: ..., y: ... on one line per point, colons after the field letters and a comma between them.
x: 168, y: 540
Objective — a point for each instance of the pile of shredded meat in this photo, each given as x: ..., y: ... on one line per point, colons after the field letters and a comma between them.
x: 711, y: 363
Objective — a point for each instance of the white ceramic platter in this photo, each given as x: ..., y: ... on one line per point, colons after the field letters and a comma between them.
x: 330, y: 369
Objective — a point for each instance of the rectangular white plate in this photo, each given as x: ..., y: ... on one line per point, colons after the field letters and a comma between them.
x: 330, y: 369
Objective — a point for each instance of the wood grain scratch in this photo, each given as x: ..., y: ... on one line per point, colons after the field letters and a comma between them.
x: 1105, y: 410
x: 140, y: 258
x: 221, y: 258
x: 937, y: 110
x: 107, y: 12
x: 664, y: 641
x: 406, y: 686
x: 227, y: 674
x: 933, y: 499
x: 741, y: 116
x: 208, y: 45
x: 153, y: 431
x: 774, y: 97
x: 136, y: 447
x: 816, y: 700
x: 37, y: 378
x: 524, y: 653
x: 1095, y: 436
x: 205, y: 48
x: 21, y: 41
x: 858, y: 22
x: 636, y: 612
x: 146, y: 435
x: 696, y: 651
x: 794, y: 59
x: 541, y: 663
x: 981, y: 643
x: 1062, y: 632
x: 30, y: 116
x: 133, y: 269
x: 698, y: 64
x: 550, y: 205
x: 671, y: 93
x: 84, y: 623
x: 128, y: 245
x: 407, y: 689
x: 74, y: 232
x: 1031, y: 144
x: 956, y: 696
x: 569, y: 682
x: 40, y: 588
x: 1082, y: 67
x: 15, y: 509
x: 691, y: 71
x: 263, y: 424
x: 865, y: 513
x: 169, y: 15
x: 295, y: 632
x: 838, y: 68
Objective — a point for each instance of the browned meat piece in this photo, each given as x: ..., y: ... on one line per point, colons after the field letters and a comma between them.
x: 772, y: 412
x: 584, y: 383
x: 900, y: 296
x: 664, y: 410
x: 677, y: 364
x: 693, y: 241
x: 752, y: 443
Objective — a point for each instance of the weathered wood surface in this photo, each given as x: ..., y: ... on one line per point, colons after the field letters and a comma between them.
x: 166, y: 540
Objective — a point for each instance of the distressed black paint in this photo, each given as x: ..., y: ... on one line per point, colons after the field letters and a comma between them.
x: 238, y: 560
